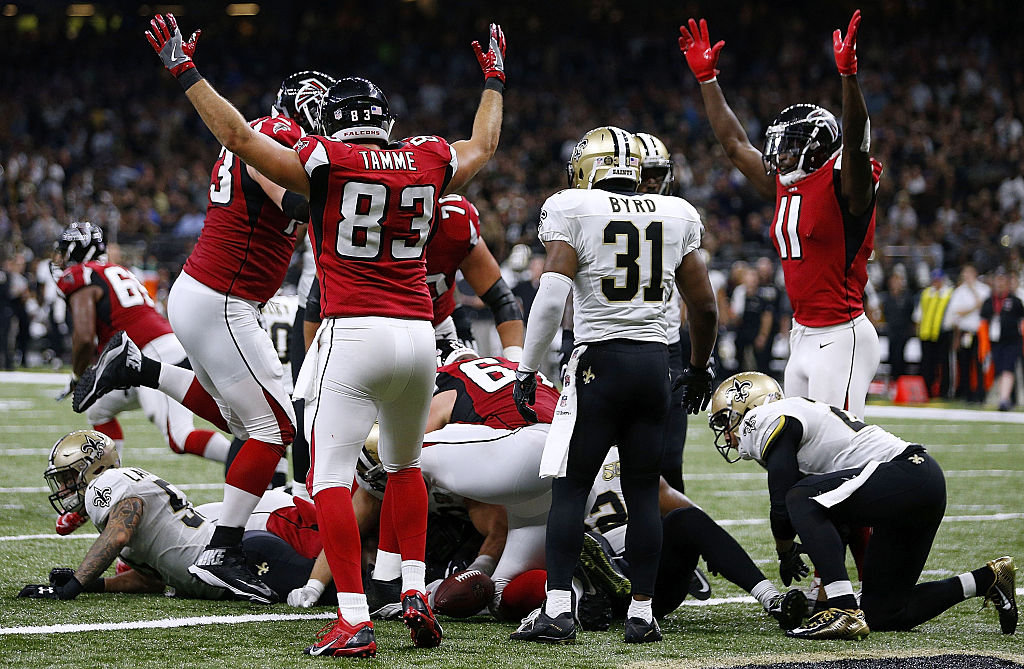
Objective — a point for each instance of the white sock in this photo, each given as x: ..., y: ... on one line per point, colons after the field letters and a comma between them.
x: 413, y: 575
x: 175, y: 381
x: 838, y: 589
x: 388, y: 566
x: 353, y: 608
x: 217, y: 448
x: 559, y: 602
x: 640, y: 609
x: 764, y: 592
x: 969, y: 585
x: 237, y: 507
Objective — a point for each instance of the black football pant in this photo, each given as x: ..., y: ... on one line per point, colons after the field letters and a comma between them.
x: 688, y: 535
x: 903, y: 501
x: 296, y: 354
x: 622, y: 399
x: 278, y: 564
x: 675, y: 426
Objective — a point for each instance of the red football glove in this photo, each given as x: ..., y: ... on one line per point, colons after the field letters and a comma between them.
x: 69, y: 522
x: 846, y: 49
x: 492, y: 62
x: 700, y: 55
x: 165, y: 38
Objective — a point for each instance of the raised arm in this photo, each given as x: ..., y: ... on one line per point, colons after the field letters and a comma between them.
x: 278, y: 163
x: 474, y: 152
x: 703, y: 61
x: 858, y: 188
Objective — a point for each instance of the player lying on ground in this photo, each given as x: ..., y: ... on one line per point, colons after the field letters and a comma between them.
x: 154, y: 529
x: 826, y: 469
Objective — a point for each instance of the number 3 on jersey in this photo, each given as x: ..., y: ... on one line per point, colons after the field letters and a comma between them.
x: 787, y: 227
x: 364, y: 207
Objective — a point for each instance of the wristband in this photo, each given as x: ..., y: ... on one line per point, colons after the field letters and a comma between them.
x: 494, y: 84
x: 484, y: 564
x: 189, y: 78
x: 513, y: 353
x: 316, y: 586
x: 295, y: 207
x: 71, y: 589
x: 708, y: 81
x: 98, y: 585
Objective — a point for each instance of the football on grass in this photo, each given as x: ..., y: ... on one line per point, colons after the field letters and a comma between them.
x: 464, y: 594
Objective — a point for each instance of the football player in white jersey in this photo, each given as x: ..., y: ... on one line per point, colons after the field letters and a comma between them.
x: 153, y: 527
x: 624, y: 254
x: 826, y: 470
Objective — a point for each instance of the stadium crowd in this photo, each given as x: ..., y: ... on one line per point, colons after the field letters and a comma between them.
x: 100, y: 140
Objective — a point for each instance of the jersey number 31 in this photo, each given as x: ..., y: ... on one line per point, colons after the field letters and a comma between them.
x: 629, y: 261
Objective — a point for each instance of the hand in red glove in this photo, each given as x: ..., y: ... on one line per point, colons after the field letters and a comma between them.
x: 700, y: 55
x: 492, y: 62
x: 165, y: 38
x: 69, y: 522
x: 846, y: 49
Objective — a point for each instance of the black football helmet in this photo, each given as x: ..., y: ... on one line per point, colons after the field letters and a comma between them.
x: 300, y: 97
x: 356, y: 109
x: 80, y: 242
x: 807, y: 133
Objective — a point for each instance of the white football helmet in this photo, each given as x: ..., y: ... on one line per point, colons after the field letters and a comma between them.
x: 737, y: 395
x: 656, y: 164
x: 76, y: 459
x: 606, y: 153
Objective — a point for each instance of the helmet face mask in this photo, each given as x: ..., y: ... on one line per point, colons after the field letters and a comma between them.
x: 605, y: 154
x: 657, y: 166
x: 300, y: 97
x: 729, y: 405
x: 370, y: 471
x: 450, y: 351
x: 799, y: 141
x: 356, y: 110
x: 76, y: 459
x: 79, y: 243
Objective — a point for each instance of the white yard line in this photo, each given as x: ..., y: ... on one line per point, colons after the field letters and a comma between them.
x: 34, y: 378
x: 183, y: 486
x: 935, y: 413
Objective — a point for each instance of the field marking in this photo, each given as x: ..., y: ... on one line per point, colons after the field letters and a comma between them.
x: 34, y: 378
x: 935, y: 413
x: 181, y: 486
x: 147, y: 450
x: 165, y: 623
x: 29, y: 537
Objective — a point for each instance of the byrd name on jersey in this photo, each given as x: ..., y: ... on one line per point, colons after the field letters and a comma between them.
x: 484, y: 387
x: 457, y: 233
x: 823, y: 248
x: 125, y: 305
x: 628, y: 247
x: 370, y: 226
x: 247, y: 241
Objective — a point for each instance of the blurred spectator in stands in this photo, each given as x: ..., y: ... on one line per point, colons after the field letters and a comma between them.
x: 5, y: 318
x: 17, y: 301
x: 898, y: 310
x: 964, y: 312
x: 935, y: 334
x: 754, y: 305
x: 526, y: 289
x: 1003, y: 312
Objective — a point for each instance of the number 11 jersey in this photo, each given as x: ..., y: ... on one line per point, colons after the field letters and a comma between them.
x: 628, y: 247
x: 372, y: 211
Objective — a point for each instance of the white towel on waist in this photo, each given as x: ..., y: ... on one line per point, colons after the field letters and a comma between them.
x: 306, y: 386
x: 832, y: 497
x: 556, y: 447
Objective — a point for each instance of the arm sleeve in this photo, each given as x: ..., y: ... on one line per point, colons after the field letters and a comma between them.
x: 779, y: 456
x: 312, y: 314
x: 545, y: 318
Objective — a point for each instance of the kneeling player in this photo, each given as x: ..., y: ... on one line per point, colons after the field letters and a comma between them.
x: 827, y: 469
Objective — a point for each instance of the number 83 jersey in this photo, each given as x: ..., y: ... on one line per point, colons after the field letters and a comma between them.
x: 628, y: 247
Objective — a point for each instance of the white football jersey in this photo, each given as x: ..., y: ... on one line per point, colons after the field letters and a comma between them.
x: 606, y: 507
x: 629, y: 246
x: 277, y: 318
x: 833, y: 439
x: 171, y: 534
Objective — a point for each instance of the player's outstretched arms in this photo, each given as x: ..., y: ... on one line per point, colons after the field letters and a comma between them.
x: 857, y: 184
x: 278, y: 163
x: 702, y: 58
x: 474, y: 152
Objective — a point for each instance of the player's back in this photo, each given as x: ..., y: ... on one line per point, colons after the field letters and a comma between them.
x: 372, y: 212
x: 247, y: 241
x: 484, y: 387
x: 628, y: 247
x: 171, y: 533
x: 458, y: 231
x: 125, y: 303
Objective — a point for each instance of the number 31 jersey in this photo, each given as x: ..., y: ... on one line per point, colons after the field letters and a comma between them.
x: 628, y: 246
x: 372, y: 211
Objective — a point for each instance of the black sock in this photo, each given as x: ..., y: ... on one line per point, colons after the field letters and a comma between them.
x: 225, y: 537
x: 842, y: 602
x: 984, y: 577
x: 149, y: 374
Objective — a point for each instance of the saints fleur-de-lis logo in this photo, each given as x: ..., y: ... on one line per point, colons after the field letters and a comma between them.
x: 588, y: 375
x: 92, y: 447
x: 262, y: 569
x: 740, y: 390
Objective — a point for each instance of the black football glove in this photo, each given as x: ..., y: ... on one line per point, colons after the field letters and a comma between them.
x: 60, y: 576
x: 69, y: 590
x: 524, y: 392
x: 697, y: 388
x: 791, y: 567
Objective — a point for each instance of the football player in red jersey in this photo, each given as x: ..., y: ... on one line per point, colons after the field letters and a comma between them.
x: 237, y: 265
x: 823, y: 182
x: 372, y: 203
x: 457, y: 245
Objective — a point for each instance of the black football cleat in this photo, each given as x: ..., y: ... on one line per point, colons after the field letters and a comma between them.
x: 426, y: 632
x: 789, y: 608
x: 119, y: 366
x: 226, y: 568
x: 700, y: 587
x: 1003, y: 594
x: 596, y: 560
x: 594, y: 610
x: 542, y: 628
x: 383, y: 597
x: 639, y: 630
x: 339, y: 639
x: 833, y: 624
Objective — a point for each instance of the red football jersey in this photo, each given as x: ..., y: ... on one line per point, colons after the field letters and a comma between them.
x: 125, y: 305
x: 823, y: 247
x: 372, y: 211
x: 457, y: 233
x: 484, y: 387
x: 247, y: 241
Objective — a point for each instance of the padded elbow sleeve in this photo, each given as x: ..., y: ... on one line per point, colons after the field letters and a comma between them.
x: 502, y: 303
x: 295, y: 206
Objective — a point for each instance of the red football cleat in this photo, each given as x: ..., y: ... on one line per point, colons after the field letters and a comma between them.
x: 425, y: 630
x: 339, y: 639
x: 69, y: 522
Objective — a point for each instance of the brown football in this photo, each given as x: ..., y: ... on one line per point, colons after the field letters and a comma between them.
x: 464, y: 594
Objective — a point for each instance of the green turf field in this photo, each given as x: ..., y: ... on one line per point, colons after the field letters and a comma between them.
x: 984, y: 464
